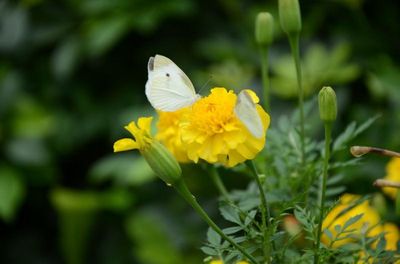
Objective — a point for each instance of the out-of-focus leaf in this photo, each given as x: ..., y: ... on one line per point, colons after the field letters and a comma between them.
x: 31, y: 119
x: 27, y: 151
x: 123, y: 169
x: 65, y: 58
x: 319, y: 67
x: 102, y: 34
x: 10, y: 84
x: 13, y: 26
x: 383, y: 80
x: 76, y: 215
x: 152, y: 244
x: 77, y: 211
x: 12, y: 191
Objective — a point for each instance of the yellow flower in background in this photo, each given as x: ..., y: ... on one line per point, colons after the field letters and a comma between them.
x: 141, y: 134
x: 370, y: 220
x: 392, y: 174
x: 213, y: 132
x: 392, y: 235
x: 217, y: 261
x: 169, y: 132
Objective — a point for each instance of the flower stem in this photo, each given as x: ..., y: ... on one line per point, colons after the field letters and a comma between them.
x: 183, y: 190
x: 265, y: 214
x: 328, y: 131
x: 294, y: 45
x: 219, y: 184
x: 265, y: 77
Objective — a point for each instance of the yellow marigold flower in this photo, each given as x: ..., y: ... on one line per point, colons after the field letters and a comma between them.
x: 169, y: 132
x: 392, y: 174
x: 157, y: 156
x: 370, y: 219
x: 213, y: 132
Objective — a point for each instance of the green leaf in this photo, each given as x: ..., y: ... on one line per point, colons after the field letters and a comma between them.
x: 230, y: 214
x: 343, y: 138
x: 12, y: 192
x: 123, y: 169
x: 232, y: 230
x: 209, y: 251
x: 213, y: 237
x: 351, y: 221
x: 153, y: 244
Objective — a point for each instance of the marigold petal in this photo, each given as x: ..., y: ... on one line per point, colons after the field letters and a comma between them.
x: 132, y: 128
x: 144, y: 123
x: 125, y: 144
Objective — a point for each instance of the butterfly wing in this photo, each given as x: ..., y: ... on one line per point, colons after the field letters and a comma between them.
x: 246, y: 111
x: 168, y: 88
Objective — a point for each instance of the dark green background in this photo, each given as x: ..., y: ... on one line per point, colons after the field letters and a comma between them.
x: 72, y: 73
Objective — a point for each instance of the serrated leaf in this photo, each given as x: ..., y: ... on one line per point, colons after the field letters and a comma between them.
x: 249, y: 218
x: 232, y: 230
x: 351, y: 221
x: 209, y: 251
x: 213, y: 237
x: 240, y: 239
x: 230, y: 214
x: 328, y: 233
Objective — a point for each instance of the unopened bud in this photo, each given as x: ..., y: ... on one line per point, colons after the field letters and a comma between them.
x: 264, y: 28
x: 327, y: 104
x: 290, y: 16
x: 162, y: 162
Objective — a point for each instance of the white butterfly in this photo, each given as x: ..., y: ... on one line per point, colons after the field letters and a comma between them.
x: 168, y: 88
x: 245, y: 110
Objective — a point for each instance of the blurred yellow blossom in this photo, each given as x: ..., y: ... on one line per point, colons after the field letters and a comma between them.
x: 169, y: 132
x: 369, y: 220
x: 213, y: 132
x: 392, y: 235
x: 392, y: 174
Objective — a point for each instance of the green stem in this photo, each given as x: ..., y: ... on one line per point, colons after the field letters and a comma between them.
x: 219, y: 184
x: 265, y: 214
x: 183, y: 190
x: 265, y: 77
x: 294, y: 45
x: 328, y: 131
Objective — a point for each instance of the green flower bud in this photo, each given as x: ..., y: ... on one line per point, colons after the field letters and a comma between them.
x: 290, y: 16
x: 162, y: 162
x: 327, y: 104
x: 264, y: 29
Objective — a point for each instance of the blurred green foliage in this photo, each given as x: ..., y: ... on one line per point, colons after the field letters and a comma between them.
x: 72, y: 73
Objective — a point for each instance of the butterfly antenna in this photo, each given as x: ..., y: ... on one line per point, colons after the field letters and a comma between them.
x: 204, y: 85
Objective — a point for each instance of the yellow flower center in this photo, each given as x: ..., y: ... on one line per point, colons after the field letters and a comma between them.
x: 214, y: 114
